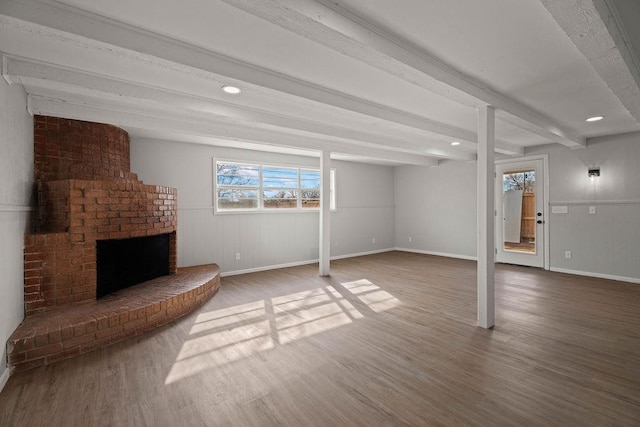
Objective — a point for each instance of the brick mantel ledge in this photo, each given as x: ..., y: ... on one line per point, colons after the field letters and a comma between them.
x: 75, y: 329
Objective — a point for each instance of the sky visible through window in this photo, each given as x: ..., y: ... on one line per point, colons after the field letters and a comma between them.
x: 279, y: 177
x: 245, y: 186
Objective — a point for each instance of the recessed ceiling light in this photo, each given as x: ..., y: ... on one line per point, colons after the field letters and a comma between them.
x: 595, y: 118
x: 231, y: 89
x: 454, y: 143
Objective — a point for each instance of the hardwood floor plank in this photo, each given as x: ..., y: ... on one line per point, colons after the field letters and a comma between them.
x: 387, y: 339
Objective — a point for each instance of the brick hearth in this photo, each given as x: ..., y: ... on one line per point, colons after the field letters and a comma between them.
x: 75, y: 329
x: 86, y: 192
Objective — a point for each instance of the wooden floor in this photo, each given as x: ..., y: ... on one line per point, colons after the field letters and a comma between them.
x: 388, y: 339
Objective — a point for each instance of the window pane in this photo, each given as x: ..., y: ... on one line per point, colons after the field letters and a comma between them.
x: 280, y: 199
x: 238, y: 175
x: 310, y: 179
x: 310, y: 198
x: 273, y: 177
x: 234, y: 198
x: 524, y: 180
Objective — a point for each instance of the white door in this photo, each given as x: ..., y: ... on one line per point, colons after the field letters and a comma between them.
x: 520, y: 214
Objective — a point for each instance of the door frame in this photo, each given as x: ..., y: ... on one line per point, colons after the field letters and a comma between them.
x: 545, y: 201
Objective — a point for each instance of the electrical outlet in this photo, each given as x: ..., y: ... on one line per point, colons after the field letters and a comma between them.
x: 409, y: 239
x: 373, y: 240
x: 237, y: 256
x: 592, y: 210
x: 567, y: 254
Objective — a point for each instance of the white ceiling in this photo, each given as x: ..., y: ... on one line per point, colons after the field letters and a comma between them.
x: 369, y: 80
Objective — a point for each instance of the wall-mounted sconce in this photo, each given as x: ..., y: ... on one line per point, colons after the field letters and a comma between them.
x: 594, y: 173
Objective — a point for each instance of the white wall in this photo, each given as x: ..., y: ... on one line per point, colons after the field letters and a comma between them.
x: 607, y: 243
x: 16, y: 174
x: 365, y: 211
x: 436, y: 208
x: 364, y: 200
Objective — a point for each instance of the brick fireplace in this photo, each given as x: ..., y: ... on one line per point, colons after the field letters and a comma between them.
x: 86, y: 193
x: 89, y: 203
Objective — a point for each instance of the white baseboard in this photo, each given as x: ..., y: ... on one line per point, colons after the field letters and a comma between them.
x: 4, y: 377
x: 377, y: 251
x: 297, y: 263
x: 597, y: 275
x: 419, y: 251
x: 267, y: 267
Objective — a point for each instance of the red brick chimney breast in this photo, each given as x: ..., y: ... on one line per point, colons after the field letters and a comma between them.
x: 86, y: 192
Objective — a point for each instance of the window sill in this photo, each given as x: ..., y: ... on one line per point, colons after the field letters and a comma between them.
x: 267, y: 211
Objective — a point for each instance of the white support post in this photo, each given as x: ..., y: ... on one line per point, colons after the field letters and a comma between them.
x: 325, y: 213
x: 486, y: 216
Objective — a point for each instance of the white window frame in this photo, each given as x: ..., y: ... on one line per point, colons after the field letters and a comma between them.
x: 260, y: 188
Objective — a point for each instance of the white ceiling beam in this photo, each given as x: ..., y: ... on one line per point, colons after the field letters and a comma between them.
x: 597, y: 30
x: 144, y: 119
x: 37, y: 74
x: 77, y: 27
x: 327, y: 23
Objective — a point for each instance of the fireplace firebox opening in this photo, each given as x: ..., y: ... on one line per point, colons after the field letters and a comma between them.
x: 126, y: 262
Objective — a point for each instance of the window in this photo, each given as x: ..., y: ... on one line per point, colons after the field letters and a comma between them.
x: 310, y: 188
x: 280, y: 187
x: 238, y: 186
x: 250, y: 187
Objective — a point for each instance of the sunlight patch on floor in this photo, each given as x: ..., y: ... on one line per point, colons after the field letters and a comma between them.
x: 375, y: 298
x: 304, y: 323
x: 228, y: 316
x: 233, y: 333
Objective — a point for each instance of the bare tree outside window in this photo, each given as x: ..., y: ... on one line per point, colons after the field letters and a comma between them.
x: 238, y: 175
x: 255, y: 187
x: 238, y: 185
x: 525, y: 181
